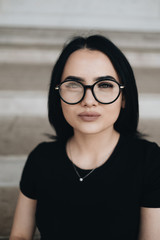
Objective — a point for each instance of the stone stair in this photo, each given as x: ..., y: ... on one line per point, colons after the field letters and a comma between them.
x: 25, y: 69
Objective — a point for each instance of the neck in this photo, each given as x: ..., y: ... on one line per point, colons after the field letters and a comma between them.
x: 90, y: 140
x: 91, y: 150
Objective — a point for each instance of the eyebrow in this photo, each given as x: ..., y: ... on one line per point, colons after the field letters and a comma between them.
x: 74, y: 78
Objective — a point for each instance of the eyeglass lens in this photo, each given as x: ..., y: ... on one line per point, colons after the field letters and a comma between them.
x: 105, y: 91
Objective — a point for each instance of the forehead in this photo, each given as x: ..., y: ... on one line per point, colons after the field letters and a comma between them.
x: 87, y: 63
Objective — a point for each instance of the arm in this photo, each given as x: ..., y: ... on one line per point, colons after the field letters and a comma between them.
x: 150, y: 224
x: 24, y: 220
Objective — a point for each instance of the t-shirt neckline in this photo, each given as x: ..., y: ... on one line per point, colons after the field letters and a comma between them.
x: 107, y: 163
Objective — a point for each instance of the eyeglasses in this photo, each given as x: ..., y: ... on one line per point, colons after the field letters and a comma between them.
x: 105, y: 91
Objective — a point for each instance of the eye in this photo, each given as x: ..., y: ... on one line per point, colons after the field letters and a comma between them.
x: 72, y: 85
x: 105, y: 84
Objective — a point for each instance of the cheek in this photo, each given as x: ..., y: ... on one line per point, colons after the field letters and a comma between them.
x: 68, y: 111
x: 113, y: 110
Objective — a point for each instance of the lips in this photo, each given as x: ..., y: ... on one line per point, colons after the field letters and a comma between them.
x: 89, y: 116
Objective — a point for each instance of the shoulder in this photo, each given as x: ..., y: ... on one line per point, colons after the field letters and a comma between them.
x: 45, y: 152
x: 46, y: 147
x: 141, y: 145
x: 142, y: 151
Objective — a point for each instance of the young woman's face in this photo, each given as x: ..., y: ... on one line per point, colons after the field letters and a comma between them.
x: 89, y: 116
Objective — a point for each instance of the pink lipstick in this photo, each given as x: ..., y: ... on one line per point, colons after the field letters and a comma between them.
x: 89, y: 116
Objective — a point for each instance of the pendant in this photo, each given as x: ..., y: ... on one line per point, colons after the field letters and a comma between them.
x: 81, y: 179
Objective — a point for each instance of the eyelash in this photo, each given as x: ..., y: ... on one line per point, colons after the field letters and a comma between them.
x: 106, y: 85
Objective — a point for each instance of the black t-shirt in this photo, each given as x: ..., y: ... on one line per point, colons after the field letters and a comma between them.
x: 106, y: 205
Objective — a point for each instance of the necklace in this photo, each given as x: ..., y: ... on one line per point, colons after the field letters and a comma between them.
x: 80, y: 177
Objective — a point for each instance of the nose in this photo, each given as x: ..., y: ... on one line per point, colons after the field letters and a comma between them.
x: 89, y: 99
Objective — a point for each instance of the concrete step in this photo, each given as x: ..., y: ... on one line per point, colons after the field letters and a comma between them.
x: 24, y: 123
x: 19, y: 134
x: 10, y: 172
x: 30, y: 103
x: 148, y: 80
x: 24, y: 77
x: 35, y: 77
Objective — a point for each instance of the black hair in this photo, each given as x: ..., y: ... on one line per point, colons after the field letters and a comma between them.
x: 127, y: 121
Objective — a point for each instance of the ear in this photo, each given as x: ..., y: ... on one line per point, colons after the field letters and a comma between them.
x: 123, y: 102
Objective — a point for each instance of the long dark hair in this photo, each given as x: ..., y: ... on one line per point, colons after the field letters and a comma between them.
x: 127, y: 121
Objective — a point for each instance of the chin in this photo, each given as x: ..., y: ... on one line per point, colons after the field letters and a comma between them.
x: 91, y: 130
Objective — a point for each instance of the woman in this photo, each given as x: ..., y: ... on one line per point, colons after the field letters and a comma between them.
x: 99, y: 178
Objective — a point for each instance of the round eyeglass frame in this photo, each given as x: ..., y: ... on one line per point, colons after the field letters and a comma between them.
x: 91, y: 87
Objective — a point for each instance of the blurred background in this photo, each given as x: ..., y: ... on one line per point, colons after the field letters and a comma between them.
x: 32, y: 34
